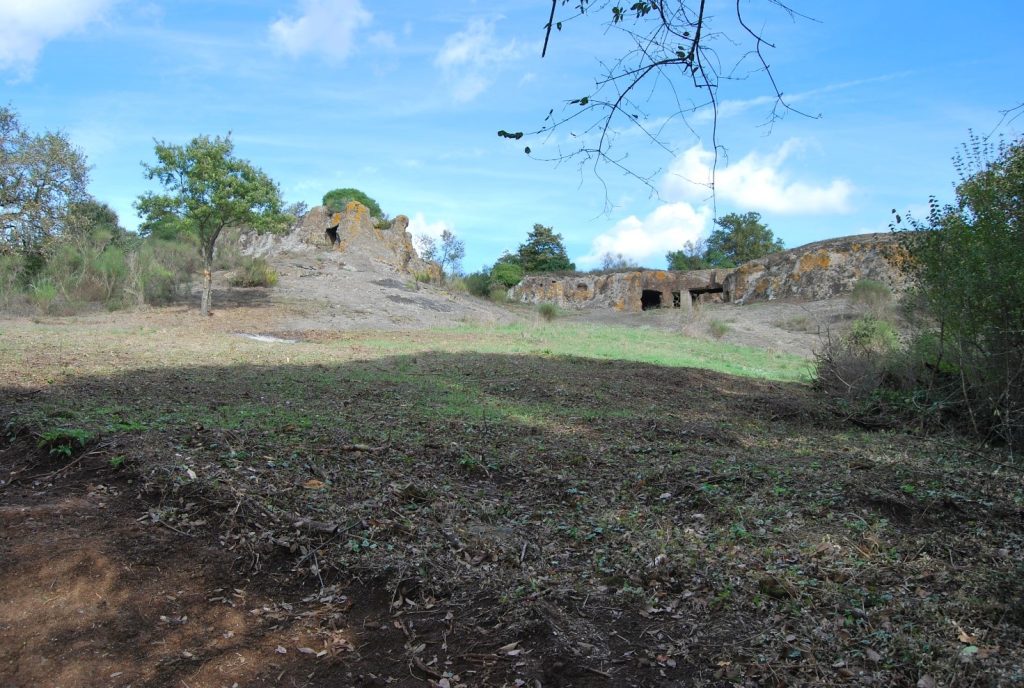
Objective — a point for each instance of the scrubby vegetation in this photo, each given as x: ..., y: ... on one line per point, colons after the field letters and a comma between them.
x: 548, y: 311
x: 337, y: 199
x: 963, y: 365
x: 254, y: 272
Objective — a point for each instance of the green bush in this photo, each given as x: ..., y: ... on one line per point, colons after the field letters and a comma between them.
x: 967, y: 265
x: 161, y: 270
x: 42, y: 293
x: 12, y: 268
x: 254, y: 272
x: 873, y: 335
x: 478, y: 283
x: 498, y: 293
x: 507, y: 275
x: 718, y: 328
x: 548, y: 311
x: 337, y: 199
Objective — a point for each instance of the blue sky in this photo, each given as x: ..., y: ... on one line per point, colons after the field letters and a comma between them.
x: 403, y: 100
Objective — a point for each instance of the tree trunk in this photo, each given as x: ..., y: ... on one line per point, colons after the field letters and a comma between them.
x: 204, y: 307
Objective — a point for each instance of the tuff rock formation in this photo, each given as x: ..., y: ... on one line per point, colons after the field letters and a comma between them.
x: 623, y: 291
x: 816, y: 271
x: 352, y: 233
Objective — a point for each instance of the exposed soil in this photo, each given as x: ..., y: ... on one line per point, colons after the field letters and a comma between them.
x: 466, y: 519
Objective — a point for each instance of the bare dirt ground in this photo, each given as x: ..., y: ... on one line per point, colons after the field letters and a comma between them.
x: 201, y: 512
x: 327, y: 290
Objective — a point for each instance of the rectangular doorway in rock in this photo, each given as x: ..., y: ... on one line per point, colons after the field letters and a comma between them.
x: 649, y: 299
x: 696, y: 294
x: 677, y: 299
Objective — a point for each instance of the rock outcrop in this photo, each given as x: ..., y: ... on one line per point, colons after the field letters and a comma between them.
x: 623, y: 291
x: 352, y: 233
x: 818, y: 271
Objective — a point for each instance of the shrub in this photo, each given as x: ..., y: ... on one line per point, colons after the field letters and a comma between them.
x: 423, y: 277
x: 872, y: 335
x: 548, y: 311
x: 967, y: 263
x: 12, y: 268
x: 160, y: 270
x: 254, y: 272
x: 42, y: 293
x: 498, y: 293
x: 507, y: 275
x: 718, y: 328
x: 457, y: 285
x: 478, y: 283
x: 337, y: 199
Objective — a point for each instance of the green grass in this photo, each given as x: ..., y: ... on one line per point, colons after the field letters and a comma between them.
x: 605, y: 342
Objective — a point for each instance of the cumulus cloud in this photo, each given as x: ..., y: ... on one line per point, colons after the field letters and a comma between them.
x: 28, y: 25
x: 325, y: 27
x: 756, y: 182
x: 647, y: 240
x: 469, y: 59
x: 418, y: 225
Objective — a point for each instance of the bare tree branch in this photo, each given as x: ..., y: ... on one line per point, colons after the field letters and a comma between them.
x: 674, y: 51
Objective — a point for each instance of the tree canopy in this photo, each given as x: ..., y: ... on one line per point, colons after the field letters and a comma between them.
x: 739, y: 238
x: 41, y: 177
x: 337, y: 199
x: 543, y: 251
x: 207, y: 190
x: 689, y: 257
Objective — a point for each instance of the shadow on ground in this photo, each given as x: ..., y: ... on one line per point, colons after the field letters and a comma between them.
x: 486, y: 519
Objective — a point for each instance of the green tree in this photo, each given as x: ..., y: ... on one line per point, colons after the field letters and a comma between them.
x: 450, y: 253
x: 740, y: 238
x: 689, y: 257
x: 967, y: 263
x: 507, y: 273
x: 41, y: 177
x: 337, y: 199
x: 93, y: 218
x: 543, y: 251
x: 207, y: 190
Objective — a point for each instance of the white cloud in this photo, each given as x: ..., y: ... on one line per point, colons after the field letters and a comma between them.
x: 27, y: 25
x: 647, y: 241
x: 325, y: 27
x: 756, y: 182
x: 469, y: 59
x: 418, y: 225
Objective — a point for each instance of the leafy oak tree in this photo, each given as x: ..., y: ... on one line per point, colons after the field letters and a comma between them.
x: 41, y: 177
x: 206, y: 190
x: 739, y: 238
